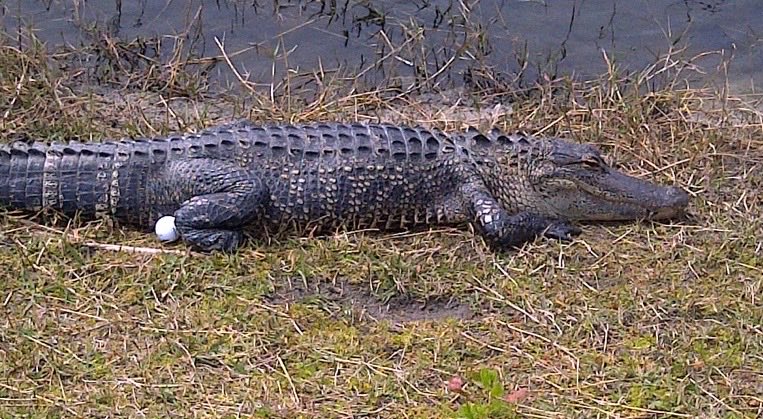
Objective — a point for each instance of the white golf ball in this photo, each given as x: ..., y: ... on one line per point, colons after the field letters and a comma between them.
x: 165, y: 229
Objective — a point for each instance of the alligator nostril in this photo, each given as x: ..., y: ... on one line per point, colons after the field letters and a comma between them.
x: 678, y: 196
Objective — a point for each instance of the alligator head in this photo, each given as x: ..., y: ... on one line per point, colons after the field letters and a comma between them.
x: 571, y: 181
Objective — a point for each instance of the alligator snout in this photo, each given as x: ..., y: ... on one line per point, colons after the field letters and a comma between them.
x: 616, y: 196
x: 669, y: 202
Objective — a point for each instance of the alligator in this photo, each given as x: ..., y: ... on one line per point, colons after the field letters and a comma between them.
x: 320, y: 177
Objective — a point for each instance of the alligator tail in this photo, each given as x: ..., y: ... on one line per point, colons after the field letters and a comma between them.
x: 72, y: 178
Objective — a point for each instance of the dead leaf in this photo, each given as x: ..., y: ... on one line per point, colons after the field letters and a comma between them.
x: 517, y: 396
x: 456, y: 384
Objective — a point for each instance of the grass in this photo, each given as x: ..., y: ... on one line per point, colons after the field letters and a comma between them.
x: 630, y: 320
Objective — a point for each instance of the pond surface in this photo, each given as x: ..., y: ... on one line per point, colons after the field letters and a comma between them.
x: 413, y: 40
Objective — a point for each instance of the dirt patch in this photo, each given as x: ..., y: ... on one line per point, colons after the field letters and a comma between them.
x: 343, y: 298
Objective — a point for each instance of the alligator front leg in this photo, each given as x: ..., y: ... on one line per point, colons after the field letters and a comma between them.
x: 218, y: 199
x: 503, y: 230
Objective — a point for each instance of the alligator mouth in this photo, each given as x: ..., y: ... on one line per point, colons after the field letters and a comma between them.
x: 669, y: 212
x: 620, y: 197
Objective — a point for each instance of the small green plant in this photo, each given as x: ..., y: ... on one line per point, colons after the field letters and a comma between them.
x: 489, y: 400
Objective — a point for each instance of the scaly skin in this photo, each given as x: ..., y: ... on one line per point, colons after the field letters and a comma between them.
x: 321, y: 177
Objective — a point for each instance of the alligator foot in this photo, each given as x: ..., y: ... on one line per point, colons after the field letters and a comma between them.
x: 502, y: 230
x: 224, y: 198
x: 213, y: 239
x: 562, y: 230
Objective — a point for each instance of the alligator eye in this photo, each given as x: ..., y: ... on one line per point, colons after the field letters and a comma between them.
x: 592, y: 161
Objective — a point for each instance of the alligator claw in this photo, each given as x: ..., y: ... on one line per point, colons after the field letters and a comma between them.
x: 214, y: 239
x: 562, y: 230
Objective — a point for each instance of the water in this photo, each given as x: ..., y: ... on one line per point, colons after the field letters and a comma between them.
x: 412, y: 40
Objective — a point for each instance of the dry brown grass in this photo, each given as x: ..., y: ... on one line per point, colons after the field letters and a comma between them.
x: 634, y: 320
